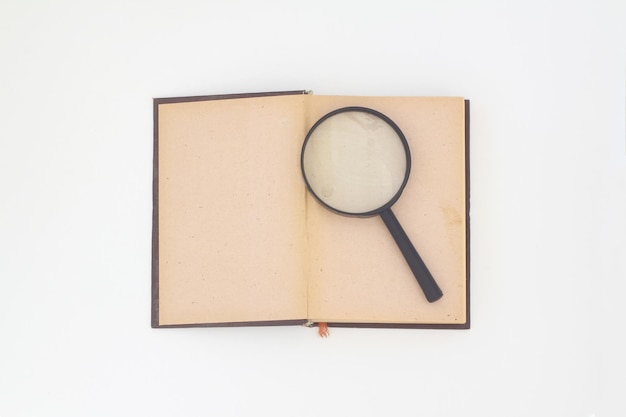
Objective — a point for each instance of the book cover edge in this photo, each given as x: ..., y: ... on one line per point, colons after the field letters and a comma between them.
x: 155, y: 323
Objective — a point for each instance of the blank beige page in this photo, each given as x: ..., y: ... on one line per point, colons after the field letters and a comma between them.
x: 358, y: 274
x: 231, y: 211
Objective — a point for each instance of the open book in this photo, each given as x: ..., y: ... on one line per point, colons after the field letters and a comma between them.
x: 239, y: 240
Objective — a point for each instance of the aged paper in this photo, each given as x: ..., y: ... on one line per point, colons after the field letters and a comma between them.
x: 357, y: 272
x: 241, y: 240
x: 231, y: 203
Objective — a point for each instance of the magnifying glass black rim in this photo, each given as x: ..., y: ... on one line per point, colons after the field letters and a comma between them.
x: 407, y: 152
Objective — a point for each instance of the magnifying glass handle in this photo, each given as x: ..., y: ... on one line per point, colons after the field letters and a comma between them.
x: 422, y: 274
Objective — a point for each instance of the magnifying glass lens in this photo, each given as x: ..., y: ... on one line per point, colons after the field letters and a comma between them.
x: 355, y: 162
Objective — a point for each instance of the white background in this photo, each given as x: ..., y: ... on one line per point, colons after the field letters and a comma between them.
x: 546, y: 81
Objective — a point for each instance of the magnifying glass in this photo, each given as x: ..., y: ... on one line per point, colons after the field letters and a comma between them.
x: 356, y: 162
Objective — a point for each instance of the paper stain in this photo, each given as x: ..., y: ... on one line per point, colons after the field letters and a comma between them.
x: 452, y: 216
x: 453, y: 219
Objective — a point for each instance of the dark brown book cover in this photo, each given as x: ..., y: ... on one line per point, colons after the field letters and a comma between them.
x: 238, y: 239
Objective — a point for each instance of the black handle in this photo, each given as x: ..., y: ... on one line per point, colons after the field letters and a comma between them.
x: 422, y: 274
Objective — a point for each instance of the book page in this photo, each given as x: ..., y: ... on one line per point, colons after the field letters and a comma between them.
x: 231, y: 211
x: 358, y: 274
